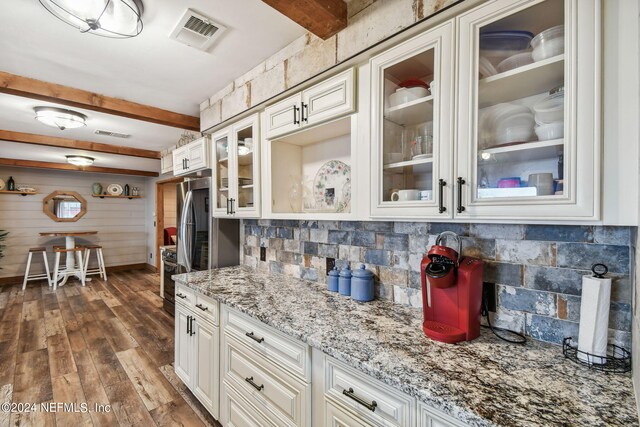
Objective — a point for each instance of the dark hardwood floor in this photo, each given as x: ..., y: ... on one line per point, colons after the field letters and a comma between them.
x: 108, y: 343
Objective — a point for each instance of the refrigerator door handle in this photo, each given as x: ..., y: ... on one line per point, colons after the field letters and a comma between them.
x: 184, y: 241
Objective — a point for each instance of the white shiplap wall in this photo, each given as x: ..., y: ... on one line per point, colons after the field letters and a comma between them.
x: 120, y: 222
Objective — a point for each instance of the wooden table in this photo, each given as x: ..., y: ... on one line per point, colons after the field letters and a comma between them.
x: 70, y: 243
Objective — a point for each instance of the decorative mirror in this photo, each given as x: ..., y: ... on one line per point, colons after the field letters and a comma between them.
x: 64, y: 206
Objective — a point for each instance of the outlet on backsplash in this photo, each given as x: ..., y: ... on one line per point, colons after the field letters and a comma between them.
x: 489, y: 295
x: 331, y: 262
x: 263, y: 253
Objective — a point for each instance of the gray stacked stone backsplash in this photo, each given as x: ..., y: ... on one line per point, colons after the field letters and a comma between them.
x: 537, y: 269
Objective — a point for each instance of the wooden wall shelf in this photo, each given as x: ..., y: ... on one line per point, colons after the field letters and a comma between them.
x: 112, y: 196
x: 22, y: 193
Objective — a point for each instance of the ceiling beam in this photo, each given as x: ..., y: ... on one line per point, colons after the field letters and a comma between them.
x: 323, y: 18
x: 54, y: 141
x: 65, y: 95
x: 68, y: 167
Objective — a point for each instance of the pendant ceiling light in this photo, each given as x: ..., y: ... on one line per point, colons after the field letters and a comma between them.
x: 80, y: 160
x: 107, y: 18
x: 60, y: 118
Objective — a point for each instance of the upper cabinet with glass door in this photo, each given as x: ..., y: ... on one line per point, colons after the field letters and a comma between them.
x: 236, y: 174
x: 528, y: 110
x: 412, y: 94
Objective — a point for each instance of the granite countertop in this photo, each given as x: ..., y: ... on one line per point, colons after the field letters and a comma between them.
x: 483, y: 383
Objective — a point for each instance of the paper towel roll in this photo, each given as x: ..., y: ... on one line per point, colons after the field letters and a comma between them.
x: 594, y: 318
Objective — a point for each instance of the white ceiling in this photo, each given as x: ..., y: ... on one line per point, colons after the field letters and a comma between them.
x: 150, y: 68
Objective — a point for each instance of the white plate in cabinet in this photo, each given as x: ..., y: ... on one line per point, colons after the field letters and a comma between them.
x: 370, y: 399
x: 237, y: 412
x: 279, y: 395
x: 332, y: 98
x: 484, y: 158
x: 428, y: 417
x: 336, y: 416
x: 278, y: 348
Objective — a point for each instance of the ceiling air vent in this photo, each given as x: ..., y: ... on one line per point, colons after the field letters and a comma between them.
x: 113, y: 134
x: 196, y: 30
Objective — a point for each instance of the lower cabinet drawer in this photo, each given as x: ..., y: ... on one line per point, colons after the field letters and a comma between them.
x: 185, y: 295
x: 207, y: 308
x: 290, y: 354
x: 282, y: 397
x: 429, y: 417
x: 237, y: 412
x: 335, y: 416
x: 369, y: 398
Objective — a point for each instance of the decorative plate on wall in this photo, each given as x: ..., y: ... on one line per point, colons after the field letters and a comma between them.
x: 332, y: 186
x: 115, y: 189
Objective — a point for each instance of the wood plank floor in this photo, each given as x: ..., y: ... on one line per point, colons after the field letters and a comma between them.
x: 108, y: 343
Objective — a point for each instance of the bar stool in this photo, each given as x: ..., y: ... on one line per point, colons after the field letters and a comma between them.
x: 77, y: 269
x: 101, y: 270
x: 28, y: 276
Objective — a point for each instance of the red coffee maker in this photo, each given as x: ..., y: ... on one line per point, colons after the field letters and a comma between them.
x: 451, y: 292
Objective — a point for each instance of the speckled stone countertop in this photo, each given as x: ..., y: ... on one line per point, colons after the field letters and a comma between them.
x: 485, y: 382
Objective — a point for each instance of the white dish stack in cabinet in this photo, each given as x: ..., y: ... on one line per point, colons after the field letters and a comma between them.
x: 492, y: 169
x: 197, y: 337
x: 192, y: 157
x: 236, y: 169
x: 318, y: 145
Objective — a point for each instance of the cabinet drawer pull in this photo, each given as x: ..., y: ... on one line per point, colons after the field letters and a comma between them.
x: 350, y: 394
x: 295, y: 115
x: 256, y: 386
x: 441, y: 184
x: 189, y: 325
x: 193, y: 319
x: 302, y: 108
x: 461, y: 182
x: 202, y: 307
x: 253, y: 337
x: 179, y: 295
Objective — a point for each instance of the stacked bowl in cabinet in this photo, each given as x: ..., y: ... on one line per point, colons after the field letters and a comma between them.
x: 549, y: 116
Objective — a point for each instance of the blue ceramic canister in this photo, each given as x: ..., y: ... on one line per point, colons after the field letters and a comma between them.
x: 332, y: 281
x: 344, y: 284
x: 362, y: 288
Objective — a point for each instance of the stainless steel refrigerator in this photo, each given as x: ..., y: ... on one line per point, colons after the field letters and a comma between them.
x: 202, y: 242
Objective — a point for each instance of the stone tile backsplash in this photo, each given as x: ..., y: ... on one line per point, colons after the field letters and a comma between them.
x: 537, y: 269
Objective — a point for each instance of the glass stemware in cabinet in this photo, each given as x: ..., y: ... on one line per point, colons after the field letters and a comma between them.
x: 407, y: 147
x: 222, y: 172
x: 520, y: 105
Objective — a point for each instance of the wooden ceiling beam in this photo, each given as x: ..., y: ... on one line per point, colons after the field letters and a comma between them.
x: 54, y: 141
x: 323, y: 18
x: 37, y: 89
x: 69, y: 167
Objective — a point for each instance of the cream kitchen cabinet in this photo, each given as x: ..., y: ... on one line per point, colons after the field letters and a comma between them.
x: 236, y: 171
x: 192, y: 157
x: 330, y: 99
x: 197, y: 348
x: 413, y: 127
x: 166, y: 162
x: 526, y: 145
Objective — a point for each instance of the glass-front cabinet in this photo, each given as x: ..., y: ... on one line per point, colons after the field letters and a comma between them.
x: 412, y: 99
x: 528, y: 110
x: 236, y: 175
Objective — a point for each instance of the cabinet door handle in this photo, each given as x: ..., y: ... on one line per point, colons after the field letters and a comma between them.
x: 295, y: 115
x: 202, y: 307
x: 461, y: 182
x: 193, y: 319
x: 256, y: 386
x: 304, y: 106
x: 232, y: 211
x: 182, y: 296
x: 350, y: 394
x: 186, y: 161
x: 228, y: 207
x: 188, y: 325
x: 253, y: 337
x: 441, y: 184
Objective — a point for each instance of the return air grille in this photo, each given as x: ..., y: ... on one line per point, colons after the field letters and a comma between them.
x: 197, y: 30
x: 113, y: 134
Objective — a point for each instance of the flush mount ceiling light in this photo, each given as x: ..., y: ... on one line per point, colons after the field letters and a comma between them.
x: 107, y: 18
x: 60, y: 118
x: 80, y: 160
